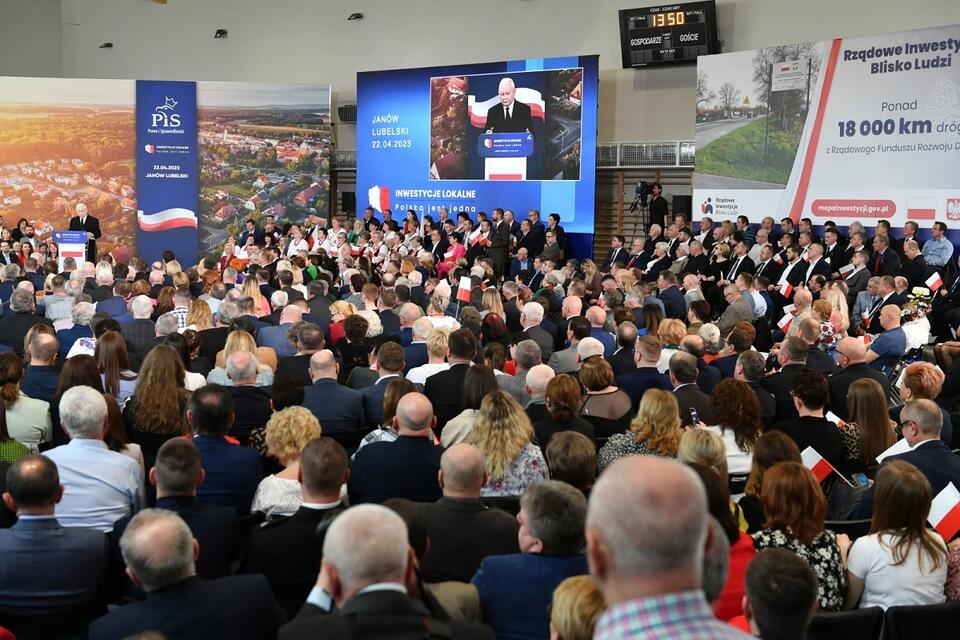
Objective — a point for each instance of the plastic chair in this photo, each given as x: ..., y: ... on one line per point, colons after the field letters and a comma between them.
x: 926, y: 622
x: 859, y: 624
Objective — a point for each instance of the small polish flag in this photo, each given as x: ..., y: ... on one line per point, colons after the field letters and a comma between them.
x: 835, y: 419
x: 463, y: 290
x: 846, y: 270
x: 816, y: 463
x: 778, y: 259
x: 474, y: 237
x: 785, y: 322
x: 787, y: 290
x: 791, y: 309
x: 945, y: 512
x: 898, y: 447
x: 867, y: 339
x: 934, y: 282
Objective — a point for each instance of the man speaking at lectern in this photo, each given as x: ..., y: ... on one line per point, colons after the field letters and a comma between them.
x: 509, y: 116
x: 84, y: 222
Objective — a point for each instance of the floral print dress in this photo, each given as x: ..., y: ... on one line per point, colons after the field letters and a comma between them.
x: 823, y: 556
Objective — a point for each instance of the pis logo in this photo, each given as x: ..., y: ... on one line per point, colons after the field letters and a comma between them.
x: 164, y: 115
x: 706, y: 208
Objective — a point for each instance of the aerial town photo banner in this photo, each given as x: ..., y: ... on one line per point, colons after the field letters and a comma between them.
x: 863, y: 128
x: 162, y: 164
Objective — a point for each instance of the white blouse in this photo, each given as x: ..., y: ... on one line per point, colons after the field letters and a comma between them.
x: 277, y: 497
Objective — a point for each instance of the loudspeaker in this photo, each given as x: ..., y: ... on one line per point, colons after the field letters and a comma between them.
x: 682, y: 204
x: 347, y: 113
x: 348, y: 201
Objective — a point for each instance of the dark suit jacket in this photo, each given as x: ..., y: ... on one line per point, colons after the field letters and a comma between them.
x: 821, y: 268
x: 40, y: 382
x: 390, y: 322
x: 934, y: 460
x: 615, y: 255
x: 288, y: 551
x: 819, y: 433
x: 726, y: 365
x: 47, y: 567
x: 622, y: 361
x: 513, y: 315
x: 212, y: 342
x: 15, y: 327
x: 516, y: 267
x: 373, y: 400
x: 500, y: 242
x: 708, y: 376
x: 234, y: 607
x: 505, y: 581
x: 444, y: 391
x: 338, y: 408
x: 67, y: 337
x: 840, y: 385
x: 520, y: 119
x: 216, y: 528
x: 916, y: 271
x: 251, y: 405
x: 90, y: 225
x: 635, y: 384
x: 378, y: 615
x: 415, y: 354
x: 406, y: 468
x: 770, y: 270
x: 889, y: 264
x: 768, y: 404
x: 659, y: 210
x: 821, y: 361
x: 781, y: 385
x: 296, y: 368
x: 837, y: 257
x: 462, y: 533
x: 543, y: 339
x: 731, y: 267
x: 690, y: 396
x: 233, y: 473
x: 673, y: 303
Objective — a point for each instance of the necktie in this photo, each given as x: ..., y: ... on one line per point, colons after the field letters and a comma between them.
x: 734, y: 269
x: 506, y: 111
x: 876, y: 264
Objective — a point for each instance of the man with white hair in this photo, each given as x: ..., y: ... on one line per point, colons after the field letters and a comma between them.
x: 597, y: 318
x: 57, y: 305
x: 81, y: 315
x: 367, y: 567
x: 535, y: 387
x: 509, y: 116
x: 530, y: 318
x: 141, y: 329
x: 646, y: 532
x: 160, y: 553
x: 83, y: 221
x: 251, y: 402
x: 275, y: 337
x: 526, y: 355
x: 100, y: 486
x: 14, y: 327
x: 409, y: 314
x: 104, y: 282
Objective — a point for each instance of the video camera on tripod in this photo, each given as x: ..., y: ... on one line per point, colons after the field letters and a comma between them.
x: 642, y: 192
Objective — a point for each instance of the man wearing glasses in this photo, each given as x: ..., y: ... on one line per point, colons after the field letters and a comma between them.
x: 920, y: 423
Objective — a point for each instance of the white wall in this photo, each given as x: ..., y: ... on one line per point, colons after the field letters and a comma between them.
x: 311, y: 41
x: 30, y: 33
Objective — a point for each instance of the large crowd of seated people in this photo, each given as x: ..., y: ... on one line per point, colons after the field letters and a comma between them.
x: 451, y: 427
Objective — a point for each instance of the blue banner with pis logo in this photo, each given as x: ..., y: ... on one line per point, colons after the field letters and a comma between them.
x: 167, y: 181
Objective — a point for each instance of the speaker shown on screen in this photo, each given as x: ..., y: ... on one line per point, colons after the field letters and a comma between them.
x: 347, y: 113
x: 348, y: 201
x: 682, y: 204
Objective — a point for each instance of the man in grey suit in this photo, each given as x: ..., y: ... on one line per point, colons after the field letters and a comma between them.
x: 526, y: 354
x: 530, y: 318
x: 864, y: 302
x: 47, y: 569
x: 857, y: 280
x: 565, y: 361
x: 738, y: 310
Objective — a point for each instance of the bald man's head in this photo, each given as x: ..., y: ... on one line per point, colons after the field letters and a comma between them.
x: 646, y: 524
x: 538, y: 378
x: 890, y: 316
x: 802, y: 298
x: 323, y: 365
x: 596, y: 316
x: 462, y: 471
x: 852, y: 350
x: 291, y: 313
x: 507, y: 91
x: 414, y: 413
x: 572, y: 306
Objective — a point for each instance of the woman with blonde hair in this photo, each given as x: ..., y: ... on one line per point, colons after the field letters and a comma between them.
x: 576, y: 607
x: 655, y: 431
x: 172, y: 268
x: 260, y: 303
x: 492, y: 302
x: 592, y: 278
x: 706, y: 447
x: 238, y: 340
x: 287, y: 433
x: 339, y: 311
x: 868, y: 431
x: 181, y: 280
x: 840, y: 317
x: 155, y: 411
x: 503, y: 434
x: 199, y: 317
x: 671, y: 333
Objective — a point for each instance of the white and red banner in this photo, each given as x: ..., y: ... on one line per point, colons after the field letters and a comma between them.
x: 853, y: 129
